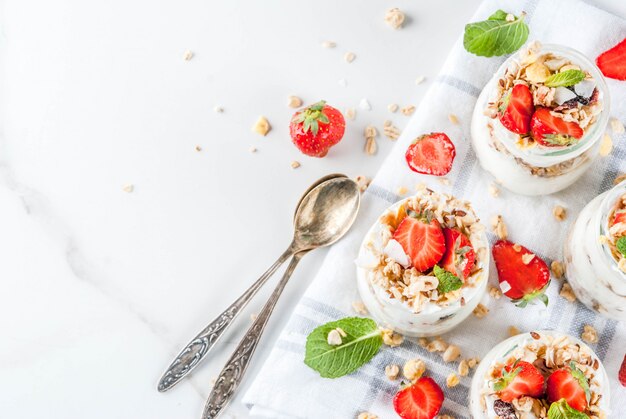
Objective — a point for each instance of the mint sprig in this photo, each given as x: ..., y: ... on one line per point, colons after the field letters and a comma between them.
x: 565, y: 78
x: 447, y: 280
x: 495, y: 36
x: 562, y: 410
x: 621, y: 245
x: 362, y: 341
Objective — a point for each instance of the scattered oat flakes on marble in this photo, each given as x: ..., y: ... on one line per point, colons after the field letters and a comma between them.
x: 559, y: 213
x: 392, y: 371
x: 497, y: 223
x: 365, y: 105
x: 294, y: 102
x: 480, y: 311
x: 252, y: 149
x: 493, y: 190
x: 198, y: 148
x: 370, y: 131
x: 188, y: 55
x: 362, y: 182
x: 218, y: 109
x: 557, y: 269
x: 394, y: 18
x: 349, y: 57
x: 616, y: 126
x: 392, y: 107
x: 513, y: 331
x: 453, y: 119
x: 413, y: 369
x: 262, y: 126
x: 494, y: 292
x: 391, y: 131
x: 452, y: 380
x: 567, y: 292
x: 589, y: 335
x: 328, y: 44
x: 408, y: 110
x: 420, y: 79
x: 606, y: 145
x: 128, y: 188
x: 350, y: 114
x: 367, y: 415
x: 295, y: 164
x: 370, y: 146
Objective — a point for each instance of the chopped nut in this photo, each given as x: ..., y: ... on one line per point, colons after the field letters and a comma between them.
x: 495, y: 292
x: 535, y: 335
x: 365, y: 105
x: 423, y: 342
x: 295, y: 164
x: 437, y: 345
x: 602, y: 239
x: 252, y: 149
x: 391, y: 132
x: 497, y: 223
x: 367, y: 415
x: 349, y: 57
x: 420, y: 79
x: 392, y: 371
x: 333, y: 338
x: 451, y: 353
x: 262, y: 126
x: 589, y: 334
x: 218, y: 109
x: 452, y: 380
x: 328, y: 44
x: 557, y: 269
x: 414, y: 369
x: 444, y: 417
x: 370, y: 131
x: 493, y: 190
x: 513, y: 331
x: 392, y: 339
x: 616, y: 126
x: 294, y: 102
x: 527, y: 258
x: 341, y: 332
x: 619, y: 178
x: 408, y: 110
x: 128, y: 188
x: 362, y: 182
x: 480, y: 311
x: 509, y: 17
x: 198, y: 148
x: 472, y: 362
x: 463, y: 368
x: 394, y: 18
x: 370, y: 146
x: 453, y: 119
x: 537, y: 72
x: 567, y: 292
x: 393, y: 108
x: 188, y: 55
x: 559, y: 213
x: 606, y: 146
x: 444, y: 181
x: 350, y: 114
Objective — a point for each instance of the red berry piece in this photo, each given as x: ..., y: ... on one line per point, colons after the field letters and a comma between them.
x: 459, y: 257
x: 516, y: 109
x: 519, y: 379
x: 612, y: 63
x: 314, y: 130
x: 421, y: 400
x: 552, y: 131
x: 421, y: 238
x: 431, y: 154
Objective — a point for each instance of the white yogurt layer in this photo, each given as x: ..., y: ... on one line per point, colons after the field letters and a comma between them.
x: 431, y: 318
x: 523, y: 346
x: 591, y: 270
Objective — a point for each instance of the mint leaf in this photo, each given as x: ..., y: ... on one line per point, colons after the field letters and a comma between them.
x: 447, y: 281
x: 362, y: 341
x: 565, y: 78
x: 496, y: 35
x: 621, y: 245
x: 562, y: 410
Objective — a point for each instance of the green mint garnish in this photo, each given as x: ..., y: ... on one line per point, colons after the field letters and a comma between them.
x: 562, y: 410
x: 362, y: 341
x: 621, y: 245
x: 447, y: 281
x: 565, y: 78
x: 495, y: 36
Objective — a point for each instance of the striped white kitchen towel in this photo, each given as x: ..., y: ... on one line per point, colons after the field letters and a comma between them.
x: 286, y: 388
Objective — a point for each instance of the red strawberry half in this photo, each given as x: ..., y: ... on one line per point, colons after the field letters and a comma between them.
x: 316, y: 129
x: 431, y: 154
x: 569, y: 384
x: 519, y: 379
x: 516, y: 108
x: 522, y: 282
x: 421, y: 239
x: 612, y: 63
x: 459, y: 257
x: 620, y: 217
x: 622, y: 372
x: 422, y: 400
x: 552, y: 131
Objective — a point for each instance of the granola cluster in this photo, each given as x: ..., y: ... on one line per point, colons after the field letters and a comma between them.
x: 617, y: 229
x: 547, y: 353
x: 414, y: 288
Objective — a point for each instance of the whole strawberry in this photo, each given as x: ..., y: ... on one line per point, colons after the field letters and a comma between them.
x: 314, y: 130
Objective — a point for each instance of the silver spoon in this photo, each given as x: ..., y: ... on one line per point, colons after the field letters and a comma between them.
x: 201, y: 344
x: 324, y: 215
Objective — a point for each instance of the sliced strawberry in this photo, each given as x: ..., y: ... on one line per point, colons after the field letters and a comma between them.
x: 421, y: 238
x: 516, y: 109
x: 622, y: 372
x: 421, y: 400
x: 552, y: 131
x: 569, y: 384
x: 522, y: 282
x: 431, y: 154
x: 620, y: 217
x: 519, y: 378
x: 612, y: 63
x: 459, y: 256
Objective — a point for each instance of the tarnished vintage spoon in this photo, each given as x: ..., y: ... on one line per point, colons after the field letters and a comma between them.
x: 201, y: 344
x: 324, y: 215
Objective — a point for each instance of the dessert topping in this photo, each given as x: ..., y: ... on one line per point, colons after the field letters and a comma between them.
x: 516, y: 108
x: 459, y: 256
x: 431, y: 154
x: 421, y: 400
x: 569, y: 384
x: 421, y: 237
x: 553, y: 131
x: 314, y: 130
x: 612, y: 63
x: 520, y: 378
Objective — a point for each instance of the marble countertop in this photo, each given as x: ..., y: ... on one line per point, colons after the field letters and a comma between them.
x: 101, y: 286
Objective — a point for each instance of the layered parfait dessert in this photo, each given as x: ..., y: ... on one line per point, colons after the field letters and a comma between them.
x: 423, y: 266
x: 538, y: 122
x: 545, y: 374
x: 595, y: 254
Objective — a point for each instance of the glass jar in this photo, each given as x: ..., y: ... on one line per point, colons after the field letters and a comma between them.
x: 590, y: 267
x: 535, y: 170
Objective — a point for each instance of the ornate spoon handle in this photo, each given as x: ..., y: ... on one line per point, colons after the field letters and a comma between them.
x: 232, y: 374
x: 199, y: 346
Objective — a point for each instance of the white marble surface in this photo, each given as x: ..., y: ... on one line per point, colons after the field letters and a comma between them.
x: 102, y: 287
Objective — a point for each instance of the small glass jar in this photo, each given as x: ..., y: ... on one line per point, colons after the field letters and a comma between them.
x: 535, y: 170
x: 590, y: 267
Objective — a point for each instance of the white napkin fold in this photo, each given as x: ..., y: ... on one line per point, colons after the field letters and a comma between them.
x: 286, y: 388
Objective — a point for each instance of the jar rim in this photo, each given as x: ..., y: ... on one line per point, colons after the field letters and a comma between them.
x: 602, y: 222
